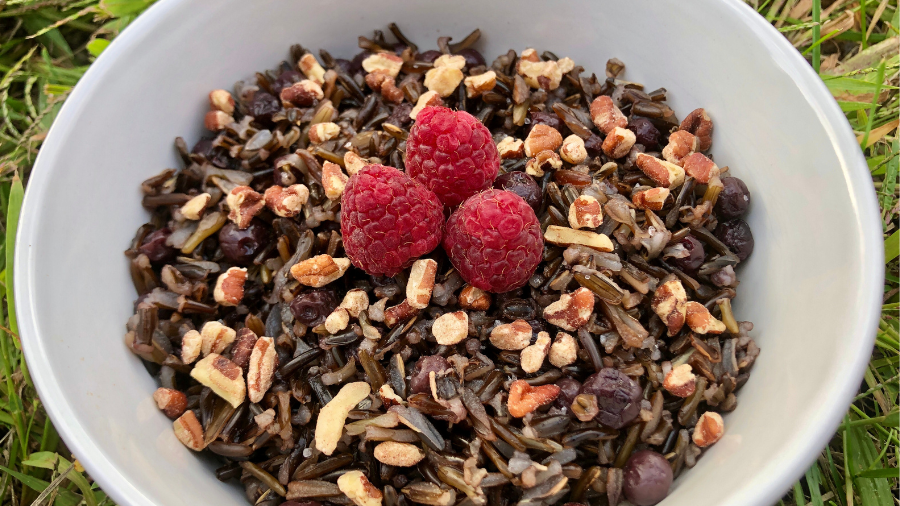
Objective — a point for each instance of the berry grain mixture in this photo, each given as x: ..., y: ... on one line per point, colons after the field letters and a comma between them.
x: 416, y: 278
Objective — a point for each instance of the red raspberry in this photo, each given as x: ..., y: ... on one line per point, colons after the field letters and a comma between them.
x: 494, y: 241
x: 388, y: 220
x: 452, y: 154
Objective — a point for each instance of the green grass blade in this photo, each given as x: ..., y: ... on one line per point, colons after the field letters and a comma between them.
x: 872, y: 491
x: 816, y: 50
x: 799, y: 499
x: 880, y: 473
x: 892, y: 247
x: 877, y: 93
x: 812, y: 481
x: 16, y: 194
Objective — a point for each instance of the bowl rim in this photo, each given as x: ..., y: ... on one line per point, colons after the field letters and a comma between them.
x: 771, y: 485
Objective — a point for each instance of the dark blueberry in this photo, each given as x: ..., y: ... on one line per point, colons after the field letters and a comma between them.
x: 203, y: 147
x: 312, y: 307
x: 734, y: 199
x: 696, y: 255
x: 429, y: 56
x: 546, y: 118
x: 155, y: 247
x: 568, y: 389
x: 241, y: 246
x: 356, y: 62
x: 342, y: 65
x: 473, y: 57
x: 419, y: 381
x: 618, y: 396
x: 400, y: 116
x: 644, y: 131
x: 522, y: 185
x: 737, y: 236
x: 287, y: 78
x: 263, y: 106
x: 646, y: 478
x: 593, y: 145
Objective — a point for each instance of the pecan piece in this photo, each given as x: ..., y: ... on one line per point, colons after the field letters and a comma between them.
x: 244, y: 204
x: 524, y: 398
x: 572, y: 311
x: 230, y: 286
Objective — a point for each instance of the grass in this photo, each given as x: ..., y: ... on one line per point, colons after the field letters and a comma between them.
x: 46, y: 45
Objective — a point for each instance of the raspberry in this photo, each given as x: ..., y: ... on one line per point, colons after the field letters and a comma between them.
x: 494, y: 241
x: 452, y: 154
x: 388, y: 220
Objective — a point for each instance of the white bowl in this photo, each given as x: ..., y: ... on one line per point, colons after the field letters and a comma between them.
x: 812, y: 287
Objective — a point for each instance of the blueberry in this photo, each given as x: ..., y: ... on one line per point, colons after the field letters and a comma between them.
x: 734, y: 199
x: 737, y: 236
x: 647, y: 478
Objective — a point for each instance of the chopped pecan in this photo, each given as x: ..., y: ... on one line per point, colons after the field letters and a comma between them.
x: 450, y: 60
x: 353, y: 162
x: 524, y: 398
x: 700, y: 124
x: 243, y: 347
x: 261, y: 369
x: 385, y: 63
x: 322, y: 132
x: 451, y: 328
x: 443, y: 80
x: 511, y: 336
x: 286, y: 202
x: 399, y: 313
x: 545, y: 160
x: 333, y: 180
x: 565, y: 236
x: 355, y: 301
x: 230, y: 286
x: 221, y: 100
x: 357, y: 487
x: 193, y: 209
x: 337, y: 320
x: 476, y: 85
x: 421, y: 282
x: 652, y: 199
x: 320, y: 270
x: 330, y: 423
x: 680, y: 381
x: 170, y: 401
x: 572, y: 311
x: 312, y: 69
x: 215, y: 337
x: 681, y: 144
x: 573, y: 150
x: 244, y: 204
x: 222, y: 376
x: 585, y: 212
x: 662, y: 173
x: 542, y: 137
x: 429, y: 98
x: 510, y: 147
x: 302, y: 94
x: 397, y: 454
x: 701, y: 168
x: 709, y: 429
x: 474, y: 298
x: 669, y: 304
x: 606, y: 116
x: 189, y: 431
x: 700, y: 320
x: 618, y: 142
x: 191, y: 346
x: 564, y: 350
x: 532, y: 357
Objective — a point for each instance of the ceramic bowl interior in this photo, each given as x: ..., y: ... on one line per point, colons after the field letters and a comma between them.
x: 812, y: 286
